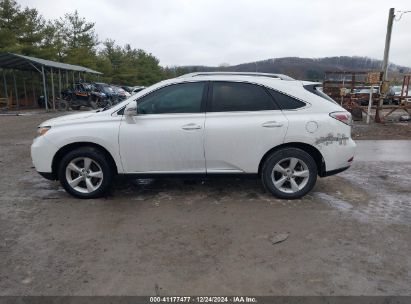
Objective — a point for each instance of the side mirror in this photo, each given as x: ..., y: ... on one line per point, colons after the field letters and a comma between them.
x: 131, y: 109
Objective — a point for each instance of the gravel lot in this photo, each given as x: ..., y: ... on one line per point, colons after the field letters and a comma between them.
x: 350, y: 236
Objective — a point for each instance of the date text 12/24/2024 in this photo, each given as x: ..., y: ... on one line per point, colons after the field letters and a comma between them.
x: 202, y: 299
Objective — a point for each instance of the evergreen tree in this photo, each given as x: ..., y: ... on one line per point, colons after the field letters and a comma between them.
x: 79, y: 39
x: 130, y: 66
x: 73, y: 40
x: 11, y: 22
x: 32, y: 32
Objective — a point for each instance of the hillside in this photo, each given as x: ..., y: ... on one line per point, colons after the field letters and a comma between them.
x: 307, y: 68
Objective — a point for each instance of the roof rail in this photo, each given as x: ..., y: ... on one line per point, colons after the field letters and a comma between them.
x: 279, y: 76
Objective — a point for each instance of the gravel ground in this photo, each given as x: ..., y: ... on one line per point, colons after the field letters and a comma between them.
x: 389, y: 131
x: 350, y: 236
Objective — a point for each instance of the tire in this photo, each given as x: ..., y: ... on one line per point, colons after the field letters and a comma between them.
x: 108, y: 103
x: 93, y: 105
x: 63, y: 105
x: 283, y: 182
x: 101, y: 103
x: 85, y: 173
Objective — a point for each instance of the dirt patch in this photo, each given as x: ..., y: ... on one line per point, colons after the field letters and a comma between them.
x: 350, y: 236
x: 375, y: 131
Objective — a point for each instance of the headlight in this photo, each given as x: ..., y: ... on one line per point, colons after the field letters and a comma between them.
x: 42, y: 130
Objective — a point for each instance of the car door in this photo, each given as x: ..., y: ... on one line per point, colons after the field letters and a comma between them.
x: 167, y: 134
x: 242, y: 123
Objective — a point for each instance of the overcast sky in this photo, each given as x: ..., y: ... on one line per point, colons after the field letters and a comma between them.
x: 211, y: 32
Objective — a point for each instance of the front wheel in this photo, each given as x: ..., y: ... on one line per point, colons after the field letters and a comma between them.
x: 289, y: 173
x: 85, y: 173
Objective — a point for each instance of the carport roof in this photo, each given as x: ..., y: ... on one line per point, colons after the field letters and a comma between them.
x: 21, y: 62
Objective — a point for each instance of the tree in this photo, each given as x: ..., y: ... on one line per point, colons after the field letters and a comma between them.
x: 21, y: 31
x: 11, y: 21
x: 126, y: 65
x: 224, y: 65
x: 52, y: 46
x: 73, y: 40
x: 77, y: 32
x: 32, y: 32
x: 79, y: 39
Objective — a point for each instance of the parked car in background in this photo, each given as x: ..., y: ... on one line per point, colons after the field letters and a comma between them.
x: 133, y: 90
x: 284, y: 131
x: 108, y: 90
x: 396, y: 93
x: 121, y: 93
x: 127, y: 89
x: 137, y: 89
x: 362, y: 95
x: 86, y: 95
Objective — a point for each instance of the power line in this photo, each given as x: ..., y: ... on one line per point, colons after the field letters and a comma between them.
x: 398, y: 18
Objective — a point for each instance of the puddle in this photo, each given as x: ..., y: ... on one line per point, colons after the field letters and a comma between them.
x: 383, y: 150
x: 33, y: 185
x: 333, y: 201
x: 370, y: 191
x: 388, y: 189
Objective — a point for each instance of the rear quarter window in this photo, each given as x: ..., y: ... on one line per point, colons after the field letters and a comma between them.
x: 286, y: 102
x: 315, y: 89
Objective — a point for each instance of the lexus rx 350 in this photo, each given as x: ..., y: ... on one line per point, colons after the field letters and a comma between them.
x: 285, y: 131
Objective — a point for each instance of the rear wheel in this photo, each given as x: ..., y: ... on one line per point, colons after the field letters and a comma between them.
x: 85, y: 173
x: 289, y: 173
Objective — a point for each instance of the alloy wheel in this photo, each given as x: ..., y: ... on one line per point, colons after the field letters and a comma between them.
x: 290, y: 175
x: 84, y: 175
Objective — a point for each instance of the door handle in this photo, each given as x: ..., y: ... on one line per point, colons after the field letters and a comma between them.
x: 191, y: 126
x: 272, y: 124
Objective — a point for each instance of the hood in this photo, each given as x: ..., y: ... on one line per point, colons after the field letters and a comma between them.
x: 67, y: 118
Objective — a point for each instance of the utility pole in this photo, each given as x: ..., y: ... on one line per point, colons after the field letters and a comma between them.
x: 384, y: 69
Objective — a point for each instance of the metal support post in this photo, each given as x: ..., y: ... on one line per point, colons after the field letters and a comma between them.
x: 44, y: 88
x: 15, y: 91
x: 52, y: 89
x: 60, y: 83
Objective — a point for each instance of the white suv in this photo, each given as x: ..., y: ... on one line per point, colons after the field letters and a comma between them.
x: 284, y: 130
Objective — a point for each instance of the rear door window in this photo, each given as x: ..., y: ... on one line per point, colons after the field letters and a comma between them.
x: 236, y: 96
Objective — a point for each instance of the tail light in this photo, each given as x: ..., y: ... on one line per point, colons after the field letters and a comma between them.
x: 344, y: 117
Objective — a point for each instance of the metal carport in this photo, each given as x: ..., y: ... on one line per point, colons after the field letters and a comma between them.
x: 27, y: 63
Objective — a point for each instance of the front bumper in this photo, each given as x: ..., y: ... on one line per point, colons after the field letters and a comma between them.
x: 42, y: 153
